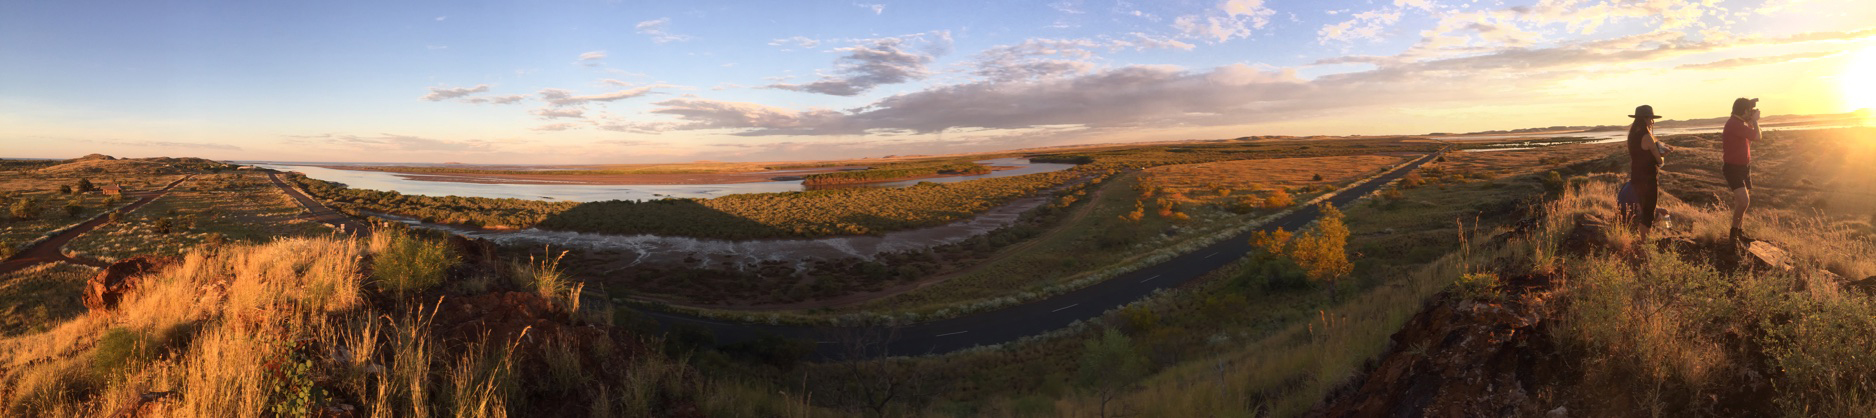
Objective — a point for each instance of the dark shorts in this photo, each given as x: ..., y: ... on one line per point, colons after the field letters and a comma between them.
x: 1737, y: 176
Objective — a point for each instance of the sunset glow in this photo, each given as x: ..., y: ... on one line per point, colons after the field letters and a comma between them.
x: 738, y: 81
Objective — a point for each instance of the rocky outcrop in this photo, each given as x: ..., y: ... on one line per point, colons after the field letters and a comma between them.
x: 110, y: 285
x: 1462, y: 358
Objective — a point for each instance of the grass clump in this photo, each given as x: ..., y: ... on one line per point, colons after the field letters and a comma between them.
x: 404, y: 264
x: 120, y: 349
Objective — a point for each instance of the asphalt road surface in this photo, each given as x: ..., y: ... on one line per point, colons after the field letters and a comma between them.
x: 52, y: 249
x: 1011, y: 323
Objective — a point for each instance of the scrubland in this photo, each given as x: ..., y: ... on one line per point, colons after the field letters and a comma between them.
x: 325, y: 325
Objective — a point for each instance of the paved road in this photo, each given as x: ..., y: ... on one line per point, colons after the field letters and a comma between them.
x: 52, y: 249
x: 319, y: 212
x: 1009, y: 324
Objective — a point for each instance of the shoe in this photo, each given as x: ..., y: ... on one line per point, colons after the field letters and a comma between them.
x: 1739, y: 237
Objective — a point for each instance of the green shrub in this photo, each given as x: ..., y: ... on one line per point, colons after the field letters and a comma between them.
x: 1477, y: 286
x: 120, y: 349
x: 405, y: 264
x: 24, y: 209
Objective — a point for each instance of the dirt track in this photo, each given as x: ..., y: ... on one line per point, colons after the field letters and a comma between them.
x: 52, y: 249
x: 319, y: 212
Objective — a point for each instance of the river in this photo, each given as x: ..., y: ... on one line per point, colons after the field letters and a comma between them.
x: 377, y: 180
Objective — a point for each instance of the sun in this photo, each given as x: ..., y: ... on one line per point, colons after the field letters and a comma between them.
x: 1859, y: 80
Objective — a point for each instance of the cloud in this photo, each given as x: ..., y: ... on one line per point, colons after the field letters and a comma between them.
x: 655, y: 28
x: 876, y: 8
x: 1750, y: 61
x: 698, y: 113
x: 508, y: 99
x: 1231, y: 19
x: 873, y: 63
x: 1045, y: 58
x: 556, y: 113
x: 563, y: 97
x: 555, y: 127
x: 1363, y: 26
x: 395, y: 142
x: 438, y: 94
x: 592, y: 58
x: 796, y: 42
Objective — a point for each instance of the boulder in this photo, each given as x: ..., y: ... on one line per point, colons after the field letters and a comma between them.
x: 110, y: 285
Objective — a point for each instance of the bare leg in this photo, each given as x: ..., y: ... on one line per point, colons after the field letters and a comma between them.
x: 1742, y: 198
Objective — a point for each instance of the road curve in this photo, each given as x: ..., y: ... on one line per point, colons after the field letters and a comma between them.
x: 319, y: 212
x: 52, y: 249
x: 1008, y: 324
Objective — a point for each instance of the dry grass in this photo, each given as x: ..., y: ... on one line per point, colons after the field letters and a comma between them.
x: 1210, y: 181
x: 1514, y: 162
x: 271, y: 329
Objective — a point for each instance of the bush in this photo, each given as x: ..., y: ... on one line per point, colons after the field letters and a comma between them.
x: 1323, y: 251
x: 24, y: 209
x: 1477, y: 286
x: 404, y: 264
x: 7, y: 250
x: 120, y: 349
x: 85, y: 186
x: 1279, y: 199
x: 65, y: 189
x: 73, y: 208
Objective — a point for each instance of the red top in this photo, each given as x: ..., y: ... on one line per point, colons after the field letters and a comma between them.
x: 1737, y: 140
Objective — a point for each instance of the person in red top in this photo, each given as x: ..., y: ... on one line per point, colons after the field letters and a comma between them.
x: 1742, y: 129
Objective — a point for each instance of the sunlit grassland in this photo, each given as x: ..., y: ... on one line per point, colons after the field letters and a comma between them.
x: 298, y: 324
x: 1233, y: 344
x: 213, y: 208
x: 47, y: 209
x: 1216, y: 182
x: 35, y: 299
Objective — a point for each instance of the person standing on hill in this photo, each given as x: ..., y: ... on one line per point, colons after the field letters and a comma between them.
x: 1742, y: 129
x: 1645, y: 156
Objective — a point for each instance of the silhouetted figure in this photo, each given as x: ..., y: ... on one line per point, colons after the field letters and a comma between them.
x: 1645, y: 158
x: 1741, y: 131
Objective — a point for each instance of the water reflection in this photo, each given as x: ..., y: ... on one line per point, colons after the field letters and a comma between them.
x: 591, y: 192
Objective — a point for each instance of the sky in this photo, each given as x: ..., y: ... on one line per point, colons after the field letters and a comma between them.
x: 581, y: 82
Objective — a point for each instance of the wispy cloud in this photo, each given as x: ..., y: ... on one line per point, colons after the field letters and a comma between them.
x: 1232, y: 19
x: 877, y: 62
x: 656, y: 29
x: 1750, y: 61
x: 876, y: 8
x: 394, y: 142
x: 591, y: 58
x: 563, y: 97
x: 438, y: 94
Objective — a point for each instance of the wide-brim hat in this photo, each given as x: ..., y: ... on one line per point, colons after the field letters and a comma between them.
x: 1645, y: 111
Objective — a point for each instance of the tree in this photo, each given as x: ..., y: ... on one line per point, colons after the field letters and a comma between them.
x: 1271, y: 243
x: 85, y: 186
x: 1317, y: 177
x: 1109, y: 365
x: 65, y: 189
x: 1323, y: 250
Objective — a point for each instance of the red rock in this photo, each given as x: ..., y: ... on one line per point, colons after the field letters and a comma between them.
x: 110, y: 285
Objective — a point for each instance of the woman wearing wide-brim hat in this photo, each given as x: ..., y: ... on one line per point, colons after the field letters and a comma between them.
x: 1645, y: 156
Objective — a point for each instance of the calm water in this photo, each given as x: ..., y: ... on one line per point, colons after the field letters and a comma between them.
x: 592, y: 193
